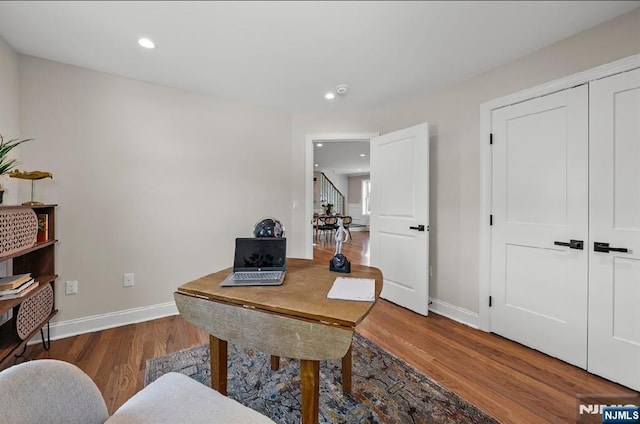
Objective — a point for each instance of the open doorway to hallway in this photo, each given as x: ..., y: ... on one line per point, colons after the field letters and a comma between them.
x: 336, y: 166
x: 341, y: 189
x: 338, y: 169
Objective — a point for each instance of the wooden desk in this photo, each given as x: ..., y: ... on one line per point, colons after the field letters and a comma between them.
x: 294, y: 320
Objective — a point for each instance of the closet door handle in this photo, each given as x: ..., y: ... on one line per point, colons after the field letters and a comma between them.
x: 604, y: 248
x: 419, y: 228
x: 573, y: 244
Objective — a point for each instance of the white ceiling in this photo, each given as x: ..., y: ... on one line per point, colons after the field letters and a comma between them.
x: 342, y: 157
x: 286, y: 55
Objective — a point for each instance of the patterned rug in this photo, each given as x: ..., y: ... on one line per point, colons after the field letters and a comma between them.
x: 384, y: 390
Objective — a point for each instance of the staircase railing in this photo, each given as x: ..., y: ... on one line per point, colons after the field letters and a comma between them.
x: 330, y: 194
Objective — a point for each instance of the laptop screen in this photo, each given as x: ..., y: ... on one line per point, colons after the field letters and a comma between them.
x: 260, y: 254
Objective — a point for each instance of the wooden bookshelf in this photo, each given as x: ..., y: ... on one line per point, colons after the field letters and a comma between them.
x: 39, y: 261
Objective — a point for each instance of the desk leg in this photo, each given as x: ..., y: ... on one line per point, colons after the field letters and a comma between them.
x: 310, y: 382
x: 275, y: 363
x: 346, y: 371
x: 218, y: 364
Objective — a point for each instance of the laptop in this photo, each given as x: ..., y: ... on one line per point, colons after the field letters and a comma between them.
x: 258, y: 262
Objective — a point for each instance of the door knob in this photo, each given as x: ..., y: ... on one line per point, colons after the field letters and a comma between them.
x: 419, y: 228
x: 573, y: 244
x: 604, y: 248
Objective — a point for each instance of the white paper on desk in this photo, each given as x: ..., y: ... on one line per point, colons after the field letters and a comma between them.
x: 362, y: 289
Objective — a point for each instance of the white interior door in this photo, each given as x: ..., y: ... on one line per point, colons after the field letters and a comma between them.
x: 540, y: 198
x: 399, y: 230
x: 614, y: 281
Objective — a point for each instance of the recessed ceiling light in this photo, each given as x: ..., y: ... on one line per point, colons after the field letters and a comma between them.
x: 316, y: 164
x: 147, y: 43
x: 319, y: 145
x: 329, y: 96
x: 362, y: 155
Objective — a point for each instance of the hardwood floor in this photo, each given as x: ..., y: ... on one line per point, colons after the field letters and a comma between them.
x: 356, y: 249
x: 512, y: 383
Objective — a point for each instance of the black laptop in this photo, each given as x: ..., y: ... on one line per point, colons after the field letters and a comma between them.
x: 258, y: 262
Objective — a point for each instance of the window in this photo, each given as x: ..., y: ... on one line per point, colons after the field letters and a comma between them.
x: 366, y: 197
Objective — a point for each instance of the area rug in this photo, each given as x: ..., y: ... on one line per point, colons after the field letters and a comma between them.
x: 384, y: 388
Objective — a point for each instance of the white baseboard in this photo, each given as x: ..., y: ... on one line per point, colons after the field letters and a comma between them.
x: 453, y: 312
x: 73, y: 327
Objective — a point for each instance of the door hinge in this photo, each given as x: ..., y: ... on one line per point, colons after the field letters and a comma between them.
x: 490, y: 301
x: 490, y: 219
x: 490, y: 138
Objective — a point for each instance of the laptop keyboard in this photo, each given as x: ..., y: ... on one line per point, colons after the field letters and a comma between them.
x: 247, y: 276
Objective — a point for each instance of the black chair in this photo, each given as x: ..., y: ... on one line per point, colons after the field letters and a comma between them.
x: 346, y: 220
x: 315, y: 222
x: 328, y: 223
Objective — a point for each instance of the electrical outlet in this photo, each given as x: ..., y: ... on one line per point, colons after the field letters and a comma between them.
x: 127, y: 280
x: 71, y: 287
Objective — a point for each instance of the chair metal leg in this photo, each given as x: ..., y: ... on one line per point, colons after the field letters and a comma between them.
x: 45, y: 345
x: 24, y: 349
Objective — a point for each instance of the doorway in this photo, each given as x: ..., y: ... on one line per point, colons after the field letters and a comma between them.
x: 311, y: 142
x: 399, y: 216
x: 341, y: 169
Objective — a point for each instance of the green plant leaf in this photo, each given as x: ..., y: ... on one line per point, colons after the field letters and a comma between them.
x: 7, y: 164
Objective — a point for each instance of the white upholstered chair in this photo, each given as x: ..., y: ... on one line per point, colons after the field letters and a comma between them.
x: 48, y: 391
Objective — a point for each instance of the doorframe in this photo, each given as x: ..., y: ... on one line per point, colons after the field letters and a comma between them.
x: 486, y: 108
x: 308, y: 176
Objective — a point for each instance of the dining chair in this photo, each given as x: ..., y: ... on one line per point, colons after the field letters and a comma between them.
x: 346, y: 220
x: 315, y: 221
x: 328, y: 224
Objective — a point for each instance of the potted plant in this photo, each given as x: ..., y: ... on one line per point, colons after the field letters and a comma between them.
x: 6, y: 163
x: 328, y: 207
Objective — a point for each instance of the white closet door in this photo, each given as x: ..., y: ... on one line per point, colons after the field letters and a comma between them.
x: 540, y: 197
x: 614, y: 278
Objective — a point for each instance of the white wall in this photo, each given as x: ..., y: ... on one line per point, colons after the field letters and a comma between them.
x: 8, y: 121
x: 453, y: 115
x: 149, y: 180
x: 9, y: 111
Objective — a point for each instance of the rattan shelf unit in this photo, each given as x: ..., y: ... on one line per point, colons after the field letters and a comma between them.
x: 31, y: 312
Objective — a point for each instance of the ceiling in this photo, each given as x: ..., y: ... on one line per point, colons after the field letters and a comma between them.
x: 342, y: 157
x: 287, y: 55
